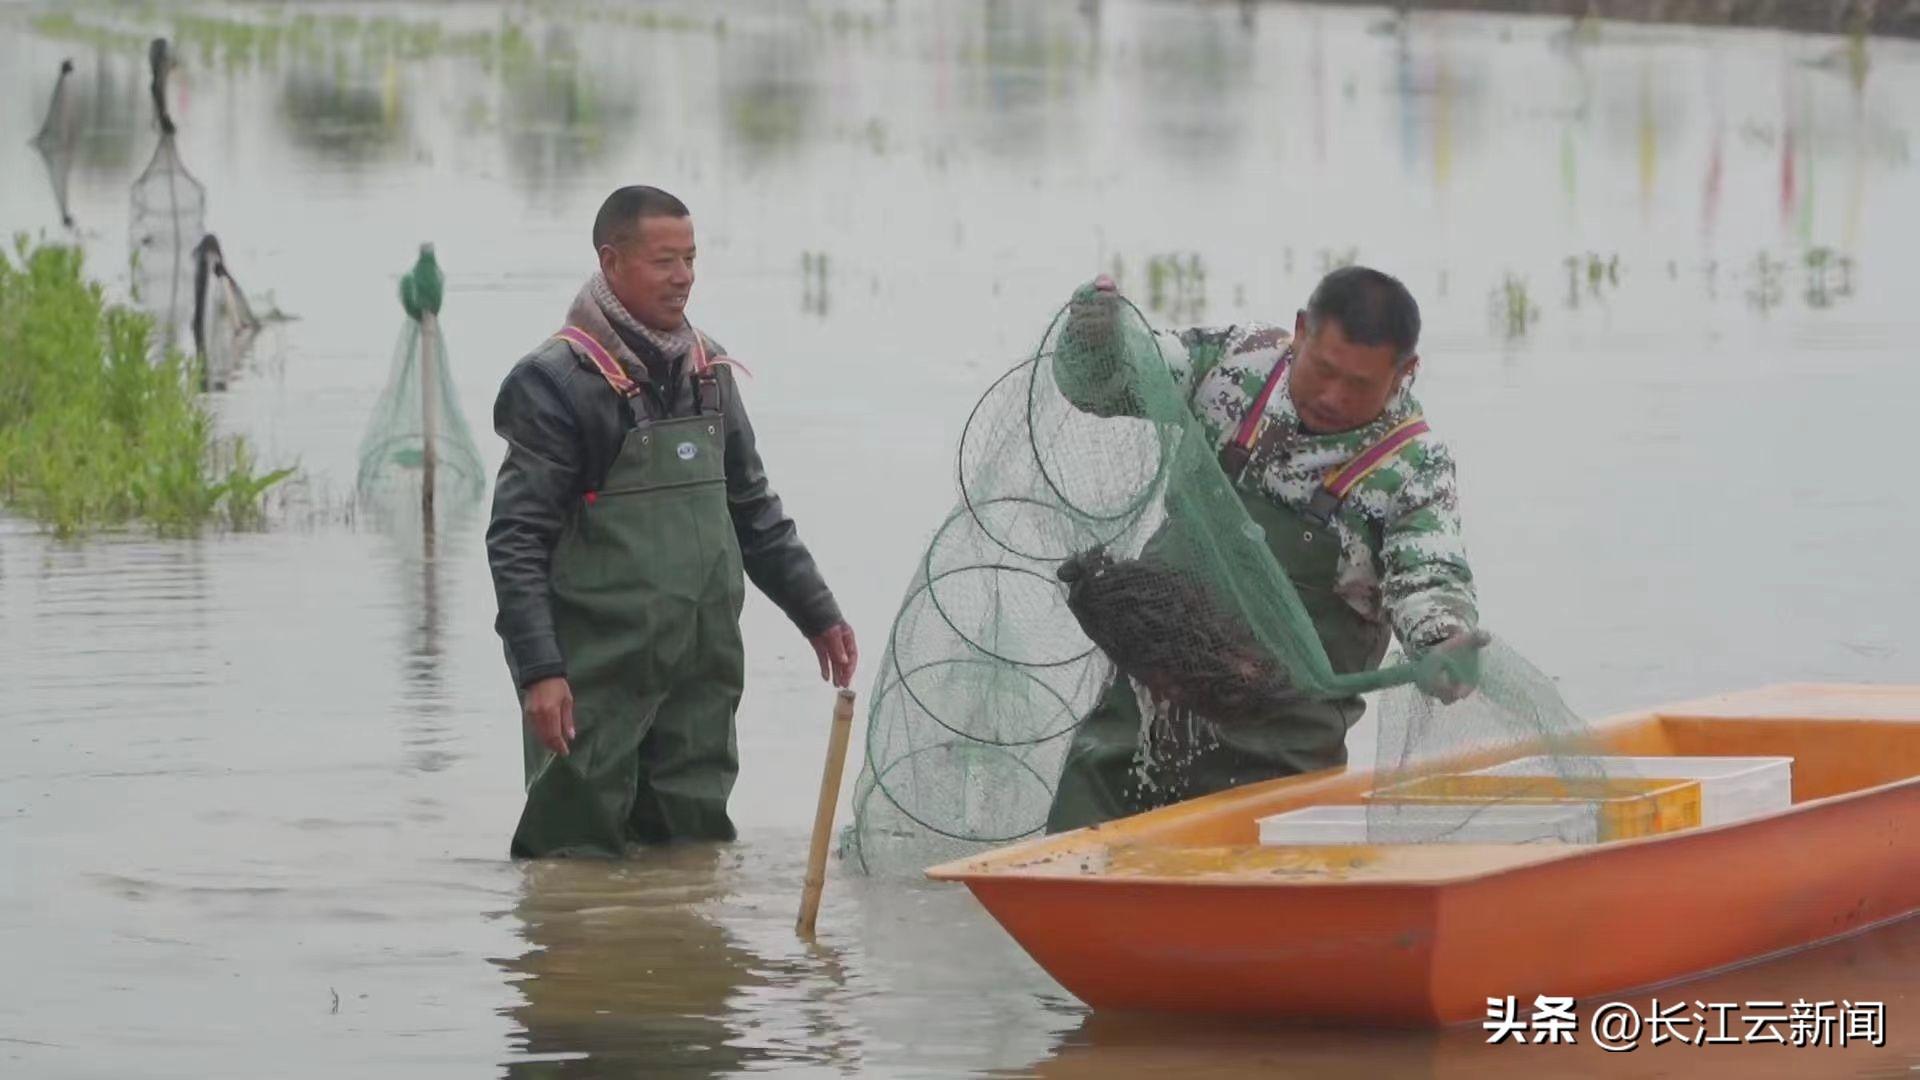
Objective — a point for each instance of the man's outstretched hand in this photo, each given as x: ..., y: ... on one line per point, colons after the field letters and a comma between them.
x: 1094, y: 310
x: 839, y: 654
x: 1459, y: 674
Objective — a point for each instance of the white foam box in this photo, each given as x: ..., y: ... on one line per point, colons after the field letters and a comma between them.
x: 1409, y: 823
x: 1731, y: 788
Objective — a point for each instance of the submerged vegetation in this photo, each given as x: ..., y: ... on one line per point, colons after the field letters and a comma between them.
x: 272, y: 37
x: 1176, y: 283
x: 245, y: 43
x: 1513, y: 311
x: 813, y: 282
x: 93, y: 434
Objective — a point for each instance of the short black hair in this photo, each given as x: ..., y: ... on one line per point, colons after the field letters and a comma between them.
x: 622, y: 211
x: 1372, y: 308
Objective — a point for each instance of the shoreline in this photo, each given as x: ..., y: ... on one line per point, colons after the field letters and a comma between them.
x: 1869, y: 18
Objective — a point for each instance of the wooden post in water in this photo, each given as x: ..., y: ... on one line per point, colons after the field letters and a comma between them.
x: 429, y: 420
x: 823, y: 814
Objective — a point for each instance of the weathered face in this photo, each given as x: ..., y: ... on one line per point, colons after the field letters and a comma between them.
x: 652, y: 272
x: 1338, y: 385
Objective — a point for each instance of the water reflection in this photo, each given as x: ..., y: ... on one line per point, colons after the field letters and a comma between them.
x: 1019, y: 68
x: 116, y: 620
x: 1443, y: 117
x: 623, y: 974
x: 769, y: 95
x: 1195, y: 72
x: 1131, y: 1045
x: 110, y: 114
x: 342, y: 112
x: 562, y: 114
x: 1648, y: 141
x: 1793, y: 106
x: 1317, y: 67
x: 418, y: 550
x: 683, y: 961
x: 1716, y: 173
x: 1440, y: 101
x: 1405, y: 92
x: 1577, y: 109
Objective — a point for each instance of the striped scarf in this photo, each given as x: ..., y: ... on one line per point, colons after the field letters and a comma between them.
x: 671, y: 343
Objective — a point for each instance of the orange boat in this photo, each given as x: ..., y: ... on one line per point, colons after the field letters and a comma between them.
x: 1181, y: 909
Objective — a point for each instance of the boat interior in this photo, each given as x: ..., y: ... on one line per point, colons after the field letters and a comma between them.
x: 1843, y: 741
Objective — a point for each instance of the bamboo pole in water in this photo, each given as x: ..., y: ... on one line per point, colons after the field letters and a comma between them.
x: 429, y: 420
x: 823, y: 814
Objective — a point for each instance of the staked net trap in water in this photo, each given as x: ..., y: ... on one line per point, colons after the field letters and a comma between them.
x: 58, y: 138
x: 418, y: 456
x: 223, y: 322
x: 169, y: 215
x: 1097, y: 538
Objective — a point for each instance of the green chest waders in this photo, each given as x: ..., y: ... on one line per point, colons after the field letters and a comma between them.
x: 647, y: 591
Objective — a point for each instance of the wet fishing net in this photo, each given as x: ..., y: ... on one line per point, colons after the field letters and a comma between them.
x: 57, y: 139
x: 418, y: 456
x: 1097, y: 543
x: 1435, y: 764
x: 169, y: 215
x: 224, y: 325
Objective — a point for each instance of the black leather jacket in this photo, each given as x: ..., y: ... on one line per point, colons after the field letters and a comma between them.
x: 564, y: 425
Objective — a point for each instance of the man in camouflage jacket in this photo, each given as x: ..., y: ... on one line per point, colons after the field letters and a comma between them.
x: 1401, y: 568
x: 1416, y: 575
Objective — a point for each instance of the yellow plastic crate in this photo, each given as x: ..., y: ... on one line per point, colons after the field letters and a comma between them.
x: 1624, y: 807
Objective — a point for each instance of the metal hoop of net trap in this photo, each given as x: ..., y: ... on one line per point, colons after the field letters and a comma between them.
x: 1096, y: 538
x: 1022, y: 457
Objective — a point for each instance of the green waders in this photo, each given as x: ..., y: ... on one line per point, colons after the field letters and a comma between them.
x: 1110, y: 772
x: 647, y: 592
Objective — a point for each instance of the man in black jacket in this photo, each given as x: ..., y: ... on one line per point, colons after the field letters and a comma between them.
x: 630, y: 502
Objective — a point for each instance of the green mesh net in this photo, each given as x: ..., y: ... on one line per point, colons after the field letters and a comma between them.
x: 1514, y: 713
x: 418, y: 456
x: 1097, y: 534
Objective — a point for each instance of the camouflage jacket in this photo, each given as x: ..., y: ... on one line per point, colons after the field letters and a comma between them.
x: 1402, y: 554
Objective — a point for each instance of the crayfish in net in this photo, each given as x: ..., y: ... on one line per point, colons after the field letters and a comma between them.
x: 1168, y: 633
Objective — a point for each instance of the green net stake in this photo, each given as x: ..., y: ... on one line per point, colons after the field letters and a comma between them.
x: 429, y: 418
x: 420, y: 294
